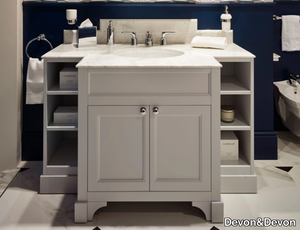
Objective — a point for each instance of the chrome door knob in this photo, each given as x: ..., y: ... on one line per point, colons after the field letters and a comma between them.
x: 155, y: 110
x: 143, y: 110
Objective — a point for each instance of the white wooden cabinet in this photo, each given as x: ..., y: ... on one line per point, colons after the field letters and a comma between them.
x: 153, y: 175
x: 118, y: 148
x: 180, y: 148
x: 237, y: 90
x: 149, y: 138
x: 60, y: 141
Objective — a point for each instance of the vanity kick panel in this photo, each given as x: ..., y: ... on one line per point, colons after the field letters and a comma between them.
x: 167, y: 83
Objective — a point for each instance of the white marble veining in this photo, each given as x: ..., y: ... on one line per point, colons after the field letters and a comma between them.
x: 185, y: 30
x: 105, y: 56
x: 112, y: 59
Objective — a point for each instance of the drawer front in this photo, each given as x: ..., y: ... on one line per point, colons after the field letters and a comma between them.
x: 149, y: 83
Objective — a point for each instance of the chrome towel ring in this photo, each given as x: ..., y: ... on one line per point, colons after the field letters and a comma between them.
x: 41, y: 37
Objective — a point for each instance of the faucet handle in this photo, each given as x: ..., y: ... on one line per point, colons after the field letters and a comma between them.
x: 148, y: 39
x: 133, y: 38
x: 293, y: 79
x: 293, y: 76
x: 163, y: 40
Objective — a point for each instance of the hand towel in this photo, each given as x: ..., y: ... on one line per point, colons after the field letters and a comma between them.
x: 87, y: 34
x: 35, y: 81
x: 290, y: 34
x: 209, y: 42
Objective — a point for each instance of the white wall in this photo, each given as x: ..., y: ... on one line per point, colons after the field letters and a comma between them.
x: 11, y: 36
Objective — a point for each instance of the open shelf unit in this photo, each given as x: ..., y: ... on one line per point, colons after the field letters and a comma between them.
x: 237, y: 90
x: 60, y: 140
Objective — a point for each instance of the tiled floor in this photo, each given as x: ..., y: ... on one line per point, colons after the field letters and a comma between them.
x: 5, y: 178
x: 278, y: 197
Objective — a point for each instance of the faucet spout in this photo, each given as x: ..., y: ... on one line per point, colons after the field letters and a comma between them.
x: 110, y: 33
x: 294, y: 79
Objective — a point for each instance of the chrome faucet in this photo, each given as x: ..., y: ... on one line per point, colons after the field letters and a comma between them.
x: 163, y: 40
x: 110, y: 33
x: 293, y: 79
x: 133, y: 38
x: 148, y: 39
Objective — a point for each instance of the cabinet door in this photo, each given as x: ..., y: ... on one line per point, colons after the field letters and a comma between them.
x: 118, y: 148
x: 180, y: 148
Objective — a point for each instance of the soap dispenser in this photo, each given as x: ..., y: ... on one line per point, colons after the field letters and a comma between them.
x: 225, y: 19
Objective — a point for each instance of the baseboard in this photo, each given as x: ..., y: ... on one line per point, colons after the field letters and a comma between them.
x: 58, y: 184
x: 265, y: 146
x: 232, y: 184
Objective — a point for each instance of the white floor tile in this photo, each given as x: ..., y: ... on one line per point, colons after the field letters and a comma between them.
x: 264, y: 163
x: 23, y: 208
x: 288, y: 149
x: 295, y: 173
x: 5, y: 178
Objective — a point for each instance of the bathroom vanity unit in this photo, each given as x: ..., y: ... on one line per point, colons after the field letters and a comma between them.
x: 149, y: 127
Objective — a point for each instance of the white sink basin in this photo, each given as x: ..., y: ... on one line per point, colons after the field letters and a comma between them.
x: 147, y: 52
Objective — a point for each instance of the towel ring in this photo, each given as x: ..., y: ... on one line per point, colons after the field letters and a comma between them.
x: 41, y: 37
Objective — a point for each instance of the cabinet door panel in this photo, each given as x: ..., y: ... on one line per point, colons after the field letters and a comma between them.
x: 180, y: 148
x: 118, y: 154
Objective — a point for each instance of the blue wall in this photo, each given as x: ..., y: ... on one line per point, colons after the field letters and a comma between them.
x: 253, y: 30
x: 289, y: 61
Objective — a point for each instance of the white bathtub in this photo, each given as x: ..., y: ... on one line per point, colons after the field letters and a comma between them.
x: 287, y: 101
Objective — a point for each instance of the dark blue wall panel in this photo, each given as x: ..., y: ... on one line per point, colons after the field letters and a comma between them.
x: 289, y: 61
x: 253, y: 30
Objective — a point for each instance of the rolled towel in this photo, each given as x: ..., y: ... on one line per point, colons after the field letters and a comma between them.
x: 209, y: 42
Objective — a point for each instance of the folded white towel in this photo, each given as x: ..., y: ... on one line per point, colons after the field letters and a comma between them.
x: 290, y: 34
x: 209, y: 42
x: 35, y: 81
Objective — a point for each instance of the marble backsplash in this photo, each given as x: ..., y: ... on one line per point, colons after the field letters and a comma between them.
x: 185, y: 30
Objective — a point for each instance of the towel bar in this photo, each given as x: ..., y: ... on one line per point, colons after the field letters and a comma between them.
x: 275, y: 17
x: 39, y: 38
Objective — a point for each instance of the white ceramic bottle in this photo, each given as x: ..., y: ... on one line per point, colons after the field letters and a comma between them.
x: 225, y: 19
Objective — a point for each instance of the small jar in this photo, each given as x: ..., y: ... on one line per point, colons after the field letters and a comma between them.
x: 227, y: 113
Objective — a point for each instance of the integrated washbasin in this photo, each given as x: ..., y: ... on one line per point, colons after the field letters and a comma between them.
x: 147, y: 52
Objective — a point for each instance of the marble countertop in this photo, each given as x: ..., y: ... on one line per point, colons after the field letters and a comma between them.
x: 113, y: 56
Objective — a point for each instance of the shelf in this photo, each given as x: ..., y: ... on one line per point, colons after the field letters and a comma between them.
x: 55, y: 90
x: 64, y: 160
x: 62, y: 127
x: 239, y: 123
x: 232, y: 86
x: 236, y: 167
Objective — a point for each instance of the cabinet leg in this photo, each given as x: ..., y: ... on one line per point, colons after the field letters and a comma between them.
x: 213, y: 211
x: 93, y: 207
x: 80, y: 212
x: 205, y: 207
x: 217, y: 212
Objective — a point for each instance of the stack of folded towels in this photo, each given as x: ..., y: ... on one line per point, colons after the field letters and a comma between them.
x: 209, y: 42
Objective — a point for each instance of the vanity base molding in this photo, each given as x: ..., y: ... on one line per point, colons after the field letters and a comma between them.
x: 238, y: 184
x: 84, y: 211
x: 59, y: 184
